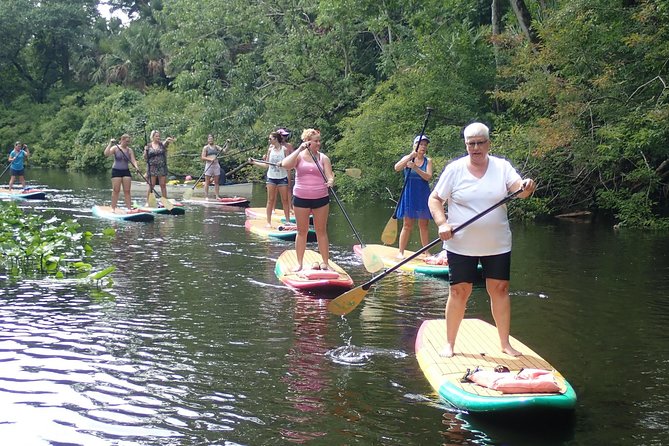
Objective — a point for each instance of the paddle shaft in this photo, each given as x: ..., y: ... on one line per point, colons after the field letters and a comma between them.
x: 368, y: 284
x: 420, y: 138
x: 3, y: 172
x: 225, y: 147
x: 341, y: 206
x: 241, y: 166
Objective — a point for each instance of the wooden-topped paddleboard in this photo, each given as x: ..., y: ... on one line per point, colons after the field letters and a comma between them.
x: 477, y: 345
x: 260, y: 213
x: 282, y: 231
x: 177, y: 208
x: 23, y: 194
x: 388, y: 255
x: 224, y: 201
x: 122, y: 214
x: 309, y: 279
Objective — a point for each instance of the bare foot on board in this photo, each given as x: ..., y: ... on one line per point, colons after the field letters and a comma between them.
x: 511, y: 351
x: 447, y: 351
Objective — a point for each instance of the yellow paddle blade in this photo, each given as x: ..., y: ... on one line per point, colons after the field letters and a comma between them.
x: 188, y: 194
x: 371, y: 260
x: 347, y: 302
x: 353, y: 172
x: 166, y: 203
x: 152, y: 200
x: 389, y: 234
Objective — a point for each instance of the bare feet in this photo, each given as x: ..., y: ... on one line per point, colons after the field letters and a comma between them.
x: 315, y: 266
x: 447, y: 351
x: 324, y: 267
x: 511, y: 351
x: 296, y: 268
x: 400, y: 256
x: 268, y: 225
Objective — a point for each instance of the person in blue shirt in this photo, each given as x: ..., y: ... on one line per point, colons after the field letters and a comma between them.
x: 16, y: 167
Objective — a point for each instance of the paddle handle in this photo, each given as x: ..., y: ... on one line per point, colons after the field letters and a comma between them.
x: 436, y: 241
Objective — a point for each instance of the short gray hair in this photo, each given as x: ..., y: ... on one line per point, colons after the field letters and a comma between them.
x: 476, y: 129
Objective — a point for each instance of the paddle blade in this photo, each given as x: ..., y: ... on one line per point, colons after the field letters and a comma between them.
x: 371, y: 260
x: 152, y: 200
x: 347, y: 302
x: 389, y: 234
x: 166, y: 203
x: 188, y: 194
x: 353, y: 172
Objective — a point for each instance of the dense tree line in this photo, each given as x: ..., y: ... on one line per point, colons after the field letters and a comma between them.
x: 575, y: 91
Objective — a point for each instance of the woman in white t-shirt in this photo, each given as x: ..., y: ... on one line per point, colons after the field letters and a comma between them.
x: 470, y: 185
x: 277, y: 177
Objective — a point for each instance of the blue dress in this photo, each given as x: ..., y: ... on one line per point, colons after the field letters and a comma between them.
x: 413, y: 202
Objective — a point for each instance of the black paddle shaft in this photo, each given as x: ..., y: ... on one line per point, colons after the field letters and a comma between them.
x: 373, y: 280
x: 341, y: 206
x: 422, y: 132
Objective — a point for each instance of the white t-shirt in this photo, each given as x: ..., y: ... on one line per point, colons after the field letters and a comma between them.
x: 467, y: 196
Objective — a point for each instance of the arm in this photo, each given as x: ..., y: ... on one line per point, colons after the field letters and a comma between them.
x: 424, y: 174
x: 133, y: 160
x: 203, y: 154
x: 327, y: 170
x: 290, y: 161
x: 402, y: 163
x: 168, y: 141
x: 436, y: 205
x: 27, y: 152
x: 110, y: 149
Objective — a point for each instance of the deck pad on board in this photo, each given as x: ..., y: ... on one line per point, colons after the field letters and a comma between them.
x: 388, y: 255
x: 478, y: 346
x: 122, y: 214
x: 287, y: 261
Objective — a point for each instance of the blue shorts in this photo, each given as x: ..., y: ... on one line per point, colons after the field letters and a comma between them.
x: 278, y: 181
x: 465, y: 268
x: 16, y: 173
x: 310, y: 203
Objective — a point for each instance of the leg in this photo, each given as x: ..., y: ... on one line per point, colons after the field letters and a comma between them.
x: 216, y: 187
x: 284, y: 192
x: 22, y: 179
x: 407, y: 227
x: 423, y: 224
x: 116, y: 190
x: 321, y: 228
x: 206, y: 186
x: 11, y: 182
x: 455, y: 311
x: 302, y: 221
x: 500, y: 304
x: 127, y: 183
x: 271, y: 202
x: 163, y: 185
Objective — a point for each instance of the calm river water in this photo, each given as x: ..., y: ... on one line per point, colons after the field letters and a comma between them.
x: 198, y: 343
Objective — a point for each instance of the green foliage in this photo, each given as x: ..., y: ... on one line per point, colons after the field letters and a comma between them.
x: 31, y: 244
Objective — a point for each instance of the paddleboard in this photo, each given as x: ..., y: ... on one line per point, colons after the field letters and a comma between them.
x: 283, y: 231
x: 23, y: 194
x: 177, y: 209
x: 122, y: 214
x: 225, y: 201
x: 308, y: 279
x: 261, y: 214
x: 388, y: 256
x: 478, y: 346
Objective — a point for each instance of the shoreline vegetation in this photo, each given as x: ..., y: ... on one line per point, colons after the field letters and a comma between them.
x: 575, y: 93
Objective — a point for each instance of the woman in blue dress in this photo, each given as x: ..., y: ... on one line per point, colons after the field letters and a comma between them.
x: 413, y: 202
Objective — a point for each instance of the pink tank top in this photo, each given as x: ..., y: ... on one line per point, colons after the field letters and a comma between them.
x: 309, y: 183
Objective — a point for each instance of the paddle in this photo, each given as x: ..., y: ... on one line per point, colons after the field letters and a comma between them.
x: 3, y: 172
x: 389, y: 234
x: 241, y: 166
x: 352, y: 172
x: 345, y: 303
x: 152, y: 195
x: 189, y: 192
x: 371, y: 261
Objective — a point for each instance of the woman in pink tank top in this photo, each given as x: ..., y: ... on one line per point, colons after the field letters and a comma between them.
x: 311, y: 194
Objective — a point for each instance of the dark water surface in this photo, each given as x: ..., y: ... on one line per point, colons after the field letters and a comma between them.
x: 199, y: 343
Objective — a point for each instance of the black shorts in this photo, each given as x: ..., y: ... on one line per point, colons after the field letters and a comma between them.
x: 310, y: 203
x: 16, y: 173
x: 465, y: 268
x: 119, y: 173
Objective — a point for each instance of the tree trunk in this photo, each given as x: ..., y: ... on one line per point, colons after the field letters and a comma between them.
x: 524, y: 20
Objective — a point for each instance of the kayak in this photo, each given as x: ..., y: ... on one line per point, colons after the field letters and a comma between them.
x: 122, y: 214
x: 309, y: 279
x: 23, y: 194
x: 388, y: 254
x: 282, y: 231
x: 225, y: 201
x: 261, y: 214
x: 177, y: 209
x: 498, y: 388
